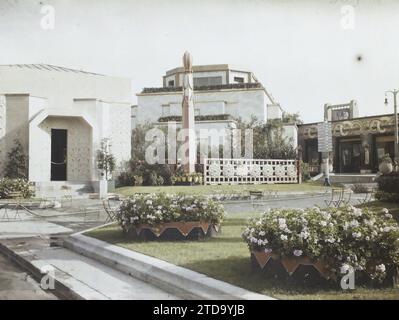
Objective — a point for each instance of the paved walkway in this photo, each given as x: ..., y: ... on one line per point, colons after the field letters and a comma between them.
x: 87, y: 277
x: 84, y: 276
x: 16, y: 284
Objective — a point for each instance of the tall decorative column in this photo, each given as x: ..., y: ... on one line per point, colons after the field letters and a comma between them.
x: 188, y: 123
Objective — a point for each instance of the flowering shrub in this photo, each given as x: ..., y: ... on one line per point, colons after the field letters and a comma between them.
x: 388, y: 187
x: 186, y: 178
x: 7, y: 186
x: 342, y: 238
x: 155, y: 209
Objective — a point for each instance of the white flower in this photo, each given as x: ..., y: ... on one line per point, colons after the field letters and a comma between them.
x: 149, y: 202
x: 387, y: 229
x: 283, y: 237
x: 282, y: 223
x: 326, y: 215
x: 330, y: 240
x: 262, y: 233
x: 356, y: 234
x: 267, y: 250
x: 345, y: 268
x: 380, y: 268
x: 357, y: 212
x: 388, y: 215
x: 354, y: 223
x: 323, y: 223
x: 385, y: 210
x: 286, y: 230
x: 304, y: 235
x: 298, y: 253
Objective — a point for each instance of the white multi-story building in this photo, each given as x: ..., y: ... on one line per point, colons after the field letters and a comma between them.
x: 60, y: 116
x: 221, y: 95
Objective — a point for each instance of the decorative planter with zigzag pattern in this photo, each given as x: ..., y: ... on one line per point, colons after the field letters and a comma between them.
x: 190, y: 230
x: 298, y: 268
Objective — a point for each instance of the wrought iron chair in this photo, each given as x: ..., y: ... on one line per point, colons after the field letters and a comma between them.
x: 336, y: 198
x: 346, y: 196
x: 369, y: 196
x: 110, y: 211
x: 4, y: 206
x: 15, y: 203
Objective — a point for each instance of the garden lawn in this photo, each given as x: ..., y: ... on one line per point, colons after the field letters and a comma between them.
x: 224, y: 189
x: 227, y: 258
x: 379, y: 205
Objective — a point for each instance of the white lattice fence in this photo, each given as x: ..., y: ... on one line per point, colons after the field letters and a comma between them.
x: 249, y: 171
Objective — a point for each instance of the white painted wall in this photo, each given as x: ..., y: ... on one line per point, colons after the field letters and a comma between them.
x: 233, y: 74
x: 2, y: 132
x: 60, y: 88
x: 90, y: 107
x: 274, y: 111
x: 242, y: 103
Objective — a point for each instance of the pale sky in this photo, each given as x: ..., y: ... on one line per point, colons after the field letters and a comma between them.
x: 301, y: 51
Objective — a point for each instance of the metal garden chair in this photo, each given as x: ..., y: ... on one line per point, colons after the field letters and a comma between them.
x: 336, y: 198
x: 110, y: 211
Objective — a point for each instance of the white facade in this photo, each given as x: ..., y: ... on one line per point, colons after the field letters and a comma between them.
x: 36, y: 99
x: 219, y: 90
x: 243, y: 103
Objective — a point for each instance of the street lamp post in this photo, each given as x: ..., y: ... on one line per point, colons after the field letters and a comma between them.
x: 395, y: 93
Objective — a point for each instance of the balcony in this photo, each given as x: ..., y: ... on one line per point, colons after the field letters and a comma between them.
x: 255, y: 85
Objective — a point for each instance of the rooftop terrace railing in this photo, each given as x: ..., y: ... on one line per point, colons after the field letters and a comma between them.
x: 255, y: 85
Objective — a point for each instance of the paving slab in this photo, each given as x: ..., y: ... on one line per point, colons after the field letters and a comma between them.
x: 16, y: 284
x: 23, y: 229
x: 177, y: 280
x: 85, y: 277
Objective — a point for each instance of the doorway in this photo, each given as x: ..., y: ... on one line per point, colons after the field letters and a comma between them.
x: 58, y: 155
x: 350, y: 153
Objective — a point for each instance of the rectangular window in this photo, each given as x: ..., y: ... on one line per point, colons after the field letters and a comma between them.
x: 196, y: 111
x: 207, y: 81
x: 134, y: 111
x: 239, y: 79
x: 165, y: 110
x: 171, y: 83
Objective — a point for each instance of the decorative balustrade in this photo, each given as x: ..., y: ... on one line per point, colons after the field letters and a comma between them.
x: 249, y: 171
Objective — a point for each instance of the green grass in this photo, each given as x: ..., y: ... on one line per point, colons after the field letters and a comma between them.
x: 224, y: 189
x: 379, y: 205
x: 227, y: 258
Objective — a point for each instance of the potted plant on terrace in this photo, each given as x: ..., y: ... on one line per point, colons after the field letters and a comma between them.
x: 386, y: 165
x: 106, y: 163
x: 170, y: 217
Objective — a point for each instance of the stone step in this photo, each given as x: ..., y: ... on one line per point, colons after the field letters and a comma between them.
x: 350, y: 178
x: 86, y: 278
x: 59, y: 189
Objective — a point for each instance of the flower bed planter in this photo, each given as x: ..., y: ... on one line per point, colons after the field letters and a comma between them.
x: 170, y: 217
x: 299, y: 269
x: 172, y: 231
x: 325, y: 244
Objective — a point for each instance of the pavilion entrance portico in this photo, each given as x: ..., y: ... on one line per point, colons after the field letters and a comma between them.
x: 61, y: 149
x: 350, y: 155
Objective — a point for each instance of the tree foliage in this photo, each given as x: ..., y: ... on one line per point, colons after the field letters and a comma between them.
x: 105, y: 159
x: 269, y: 141
x: 16, y: 167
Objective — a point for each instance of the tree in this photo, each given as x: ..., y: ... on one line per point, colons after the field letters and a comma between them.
x: 139, y: 144
x: 268, y: 139
x: 16, y: 167
x: 292, y: 118
x: 105, y: 159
